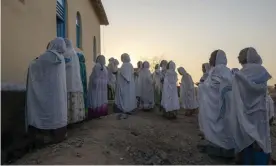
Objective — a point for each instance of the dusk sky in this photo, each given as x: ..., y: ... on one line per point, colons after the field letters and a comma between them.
x: 187, y: 31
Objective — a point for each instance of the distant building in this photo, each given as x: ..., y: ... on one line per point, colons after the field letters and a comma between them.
x: 28, y: 26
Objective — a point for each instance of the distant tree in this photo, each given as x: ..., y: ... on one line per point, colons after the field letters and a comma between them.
x: 153, y: 61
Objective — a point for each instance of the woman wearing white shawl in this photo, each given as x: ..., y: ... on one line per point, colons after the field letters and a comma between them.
x: 170, y: 100
x: 205, y: 69
x: 249, y: 115
x: 46, y: 92
x: 75, y: 103
x: 97, y: 90
x: 146, y: 86
x: 187, y: 92
x: 112, y: 68
x: 125, y: 97
x: 157, y: 84
x: 137, y: 84
x: 214, y: 106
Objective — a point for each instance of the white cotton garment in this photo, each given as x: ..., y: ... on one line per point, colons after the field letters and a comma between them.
x: 215, y: 104
x: 188, y: 98
x: 125, y: 97
x: 270, y: 106
x: 73, y: 78
x: 97, y: 87
x: 112, y: 67
x: 46, y: 92
x: 205, y: 75
x: 137, y: 83
x: 200, y: 97
x: 170, y: 100
x: 249, y: 114
x: 146, y: 87
x: 157, y: 79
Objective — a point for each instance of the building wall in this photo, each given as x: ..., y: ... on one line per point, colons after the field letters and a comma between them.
x: 28, y: 26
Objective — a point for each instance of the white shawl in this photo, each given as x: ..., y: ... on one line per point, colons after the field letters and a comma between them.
x: 249, y: 115
x: 188, y: 98
x: 46, y: 91
x: 215, y: 104
x: 125, y: 97
x: 73, y: 78
x: 170, y: 100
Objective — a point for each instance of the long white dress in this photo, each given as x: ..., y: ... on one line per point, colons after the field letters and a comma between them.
x: 170, y: 100
x: 75, y: 100
x: 125, y: 97
x: 46, y: 91
x: 249, y: 115
x: 215, y: 104
x: 188, y: 98
x: 146, y: 87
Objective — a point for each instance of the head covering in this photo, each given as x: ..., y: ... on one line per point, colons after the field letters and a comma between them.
x: 163, y: 64
x: 221, y: 58
x: 253, y: 57
x: 253, y: 69
x: 116, y: 62
x: 171, y: 65
x: 101, y: 60
x: 68, y: 43
x: 57, y: 45
x: 110, y: 60
x: 181, y: 70
x: 139, y: 64
x: 125, y: 58
x: 146, y: 65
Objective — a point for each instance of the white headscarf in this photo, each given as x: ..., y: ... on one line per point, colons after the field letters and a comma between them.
x: 207, y: 69
x: 124, y: 71
x: 73, y: 78
x: 58, y: 45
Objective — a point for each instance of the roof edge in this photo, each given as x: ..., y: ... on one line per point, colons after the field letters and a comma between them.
x: 100, y: 12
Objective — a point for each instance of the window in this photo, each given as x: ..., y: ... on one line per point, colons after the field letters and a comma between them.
x: 94, y: 49
x: 78, y: 30
x: 61, y: 18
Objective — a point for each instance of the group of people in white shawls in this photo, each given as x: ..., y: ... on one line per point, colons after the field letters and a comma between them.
x: 235, y: 109
x: 55, y: 96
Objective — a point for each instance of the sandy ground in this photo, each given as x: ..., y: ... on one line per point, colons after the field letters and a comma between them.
x: 143, y: 138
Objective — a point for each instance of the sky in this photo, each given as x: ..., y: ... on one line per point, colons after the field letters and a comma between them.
x: 187, y: 31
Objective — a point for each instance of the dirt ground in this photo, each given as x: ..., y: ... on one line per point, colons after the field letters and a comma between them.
x: 143, y: 138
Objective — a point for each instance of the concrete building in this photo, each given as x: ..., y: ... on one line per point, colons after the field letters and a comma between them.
x: 28, y: 26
